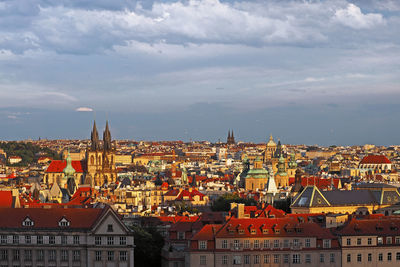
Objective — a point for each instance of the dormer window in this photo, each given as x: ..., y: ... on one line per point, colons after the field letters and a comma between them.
x: 63, y: 222
x: 253, y: 231
x: 27, y: 222
x: 110, y: 228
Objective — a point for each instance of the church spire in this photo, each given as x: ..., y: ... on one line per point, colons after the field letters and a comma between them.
x: 107, y: 138
x: 95, y: 138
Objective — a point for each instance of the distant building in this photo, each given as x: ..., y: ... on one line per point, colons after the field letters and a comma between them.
x: 14, y: 159
x: 231, y: 138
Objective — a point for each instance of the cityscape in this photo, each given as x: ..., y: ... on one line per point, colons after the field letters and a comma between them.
x: 199, y: 133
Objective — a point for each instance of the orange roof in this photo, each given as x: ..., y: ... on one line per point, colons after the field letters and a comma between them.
x: 375, y: 159
x: 59, y: 165
x: 6, y: 199
x: 49, y: 218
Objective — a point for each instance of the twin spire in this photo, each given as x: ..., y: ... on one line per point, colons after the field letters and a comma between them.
x: 231, y: 138
x: 107, y: 145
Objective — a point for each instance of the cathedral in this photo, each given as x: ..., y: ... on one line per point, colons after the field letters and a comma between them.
x: 96, y: 169
x: 100, y: 160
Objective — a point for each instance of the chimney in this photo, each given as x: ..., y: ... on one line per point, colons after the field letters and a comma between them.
x: 240, y: 210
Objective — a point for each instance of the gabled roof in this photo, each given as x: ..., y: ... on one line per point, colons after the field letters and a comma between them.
x: 207, y: 232
x: 49, y: 218
x: 310, y: 197
x: 59, y: 165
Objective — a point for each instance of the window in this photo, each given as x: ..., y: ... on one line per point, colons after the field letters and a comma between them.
x: 348, y: 257
x: 110, y: 228
x: 369, y: 256
x: 246, y: 259
x: 16, y: 255
x: 397, y: 240
x: 64, y: 255
x: 327, y: 243
x: 276, y: 258
x: 52, y: 239
x: 63, y: 239
x: 203, y: 260
x: 285, y: 243
x: 236, y: 243
x: 359, y: 258
x: 76, y: 255
x: 122, y: 240
x: 76, y: 240
x: 123, y: 256
x: 358, y: 241
x: 308, y: 243
x: 202, y: 244
x: 225, y: 243
x: 332, y: 257
x: 266, y: 243
x: 27, y: 222
x: 295, y: 242
x: 308, y: 258
x: 348, y: 241
x: 63, y: 223
x: 52, y: 255
x: 389, y: 240
x: 276, y: 243
x: 296, y: 258
x: 110, y: 255
x: 110, y: 240
x: 97, y: 240
x: 28, y: 239
x: 97, y: 255
x: 256, y: 244
x: 224, y: 260
x: 380, y: 240
x: 398, y: 256
x: 15, y: 239
x: 286, y: 258
x: 237, y: 260
x: 380, y: 257
x: 266, y: 258
x: 28, y: 255
x: 40, y: 255
x: 321, y: 257
x: 3, y: 255
x: 39, y: 239
x: 181, y: 235
x: 369, y: 241
x: 389, y: 256
x: 256, y: 259
x: 246, y: 243
x: 3, y: 239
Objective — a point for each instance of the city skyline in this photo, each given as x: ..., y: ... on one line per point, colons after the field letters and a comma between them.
x: 309, y: 72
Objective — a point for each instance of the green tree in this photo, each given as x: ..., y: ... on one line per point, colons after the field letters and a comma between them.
x: 148, y: 242
x: 223, y: 203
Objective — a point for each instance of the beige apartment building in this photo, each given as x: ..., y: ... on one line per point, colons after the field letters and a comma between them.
x: 64, y: 237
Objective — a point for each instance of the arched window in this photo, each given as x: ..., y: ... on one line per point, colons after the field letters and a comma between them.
x: 99, y: 162
x: 92, y: 160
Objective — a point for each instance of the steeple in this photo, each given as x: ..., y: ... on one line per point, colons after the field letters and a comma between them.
x: 95, y: 138
x: 228, y: 140
x: 107, y: 138
x: 232, y: 138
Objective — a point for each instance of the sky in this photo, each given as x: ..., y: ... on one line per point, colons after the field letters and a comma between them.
x: 307, y: 72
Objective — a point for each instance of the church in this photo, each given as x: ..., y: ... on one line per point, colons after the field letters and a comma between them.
x: 96, y: 169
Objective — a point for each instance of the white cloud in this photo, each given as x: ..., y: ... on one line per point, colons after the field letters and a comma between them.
x: 84, y: 109
x: 352, y: 17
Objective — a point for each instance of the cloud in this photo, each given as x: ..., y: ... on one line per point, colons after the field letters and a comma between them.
x: 84, y: 109
x: 352, y: 17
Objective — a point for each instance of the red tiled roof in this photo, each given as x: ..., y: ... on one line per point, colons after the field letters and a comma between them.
x: 382, y: 226
x: 59, y: 165
x: 187, y: 195
x: 375, y: 159
x: 49, y: 218
x: 207, y: 232
x: 6, y: 199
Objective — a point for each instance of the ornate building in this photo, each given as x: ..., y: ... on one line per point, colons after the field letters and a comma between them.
x: 269, y: 149
x: 281, y: 177
x: 256, y: 178
x: 100, y: 159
